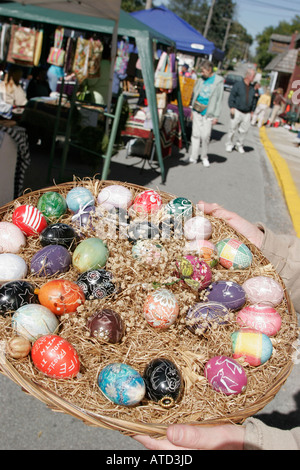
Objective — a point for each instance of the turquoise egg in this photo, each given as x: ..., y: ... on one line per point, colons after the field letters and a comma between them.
x: 33, y: 321
x: 79, y: 198
x: 121, y: 384
x: 52, y: 205
x: 91, y: 253
x: 254, y: 346
x: 180, y: 206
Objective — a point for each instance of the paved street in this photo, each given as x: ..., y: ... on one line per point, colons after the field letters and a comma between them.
x: 243, y: 183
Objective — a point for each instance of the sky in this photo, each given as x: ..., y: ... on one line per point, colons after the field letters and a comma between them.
x: 256, y: 15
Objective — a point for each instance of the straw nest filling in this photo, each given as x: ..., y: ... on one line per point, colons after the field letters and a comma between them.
x: 141, y: 343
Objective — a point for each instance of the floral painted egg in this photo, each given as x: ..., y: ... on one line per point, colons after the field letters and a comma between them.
x: 96, y: 284
x: 91, y: 253
x: 194, y: 272
x: 164, y: 383
x: 61, y: 296
x: 148, y: 201
x: 12, y: 267
x: 107, y: 325
x: 52, y: 259
x: 79, y: 197
x: 55, y: 357
x: 121, y: 384
x: 29, y: 219
x: 234, y: 254
x: 84, y: 217
x: 12, y: 239
x: 263, y: 318
x: 161, y: 308
x: 197, y: 227
x: 59, y: 234
x: 180, y: 207
x: 52, y: 205
x: 263, y: 290
x: 226, y: 375
x: 148, y: 252
x: 229, y: 293
x: 142, y: 230
x: 33, y: 321
x: 204, y: 249
x: 15, y: 294
x: 115, y: 195
x: 201, y: 316
x: 254, y: 346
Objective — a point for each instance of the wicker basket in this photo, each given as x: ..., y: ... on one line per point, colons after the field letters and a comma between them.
x: 82, y: 399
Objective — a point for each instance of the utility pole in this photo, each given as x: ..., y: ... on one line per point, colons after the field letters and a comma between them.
x: 209, y: 18
x: 229, y: 21
x: 148, y: 5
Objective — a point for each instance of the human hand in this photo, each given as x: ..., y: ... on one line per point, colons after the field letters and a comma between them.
x: 188, y: 437
x: 214, y: 121
x: 249, y: 230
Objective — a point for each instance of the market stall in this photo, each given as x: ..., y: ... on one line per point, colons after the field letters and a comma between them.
x: 128, y: 26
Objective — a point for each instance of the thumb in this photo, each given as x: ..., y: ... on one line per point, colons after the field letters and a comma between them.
x: 186, y: 436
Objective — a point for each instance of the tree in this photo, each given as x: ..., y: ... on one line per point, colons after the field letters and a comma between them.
x: 133, y: 5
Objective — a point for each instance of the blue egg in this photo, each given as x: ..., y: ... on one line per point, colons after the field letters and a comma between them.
x: 121, y: 384
x: 79, y: 198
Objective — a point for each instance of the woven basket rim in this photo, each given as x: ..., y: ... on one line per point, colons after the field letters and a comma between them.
x: 57, y: 403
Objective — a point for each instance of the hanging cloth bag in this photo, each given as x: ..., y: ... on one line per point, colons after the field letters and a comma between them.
x: 57, y: 54
x: 165, y: 77
x: 23, y: 47
x: 81, y: 60
x: 96, y: 48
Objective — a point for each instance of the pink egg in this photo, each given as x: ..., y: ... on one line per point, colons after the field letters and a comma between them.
x: 261, y: 318
x: 161, y: 308
x: 197, y: 228
x: 115, y: 195
x: 12, y: 239
x: 148, y: 201
x: 225, y: 375
x: 263, y: 289
x: 194, y: 271
x: 204, y: 249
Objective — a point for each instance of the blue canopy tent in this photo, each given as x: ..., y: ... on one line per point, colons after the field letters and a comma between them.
x: 186, y: 38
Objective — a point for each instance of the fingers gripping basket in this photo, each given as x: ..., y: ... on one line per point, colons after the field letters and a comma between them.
x: 199, y: 403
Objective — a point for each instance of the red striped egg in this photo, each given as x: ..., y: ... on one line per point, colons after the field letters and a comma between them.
x: 29, y: 219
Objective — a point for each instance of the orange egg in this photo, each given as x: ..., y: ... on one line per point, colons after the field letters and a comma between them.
x: 61, y: 296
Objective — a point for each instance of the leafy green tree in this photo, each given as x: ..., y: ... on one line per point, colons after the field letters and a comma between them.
x: 133, y: 5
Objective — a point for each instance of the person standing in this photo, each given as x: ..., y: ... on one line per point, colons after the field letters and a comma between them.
x: 263, y: 104
x: 278, y: 104
x: 242, y: 104
x: 206, y: 107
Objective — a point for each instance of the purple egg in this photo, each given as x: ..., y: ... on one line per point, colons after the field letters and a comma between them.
x: 52, y: 259
x: 228, y: 293
x: 202, y: 315
x: 83, y: 217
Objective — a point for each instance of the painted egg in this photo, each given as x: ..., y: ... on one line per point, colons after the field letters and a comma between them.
x: 201, y: 316
x: 197, y: 228
x: 29, y: 219
x: 254, y: 346
x: 115, y: 196
x: 96, y: 284
x: 148, y: 201
x: 228, y: 293
x: 55, y: 357
x: 226, y: 375
x: 142, y: 230
x: 161, y: 308
x: 52, y: 205
x: 51, y: 259
x: 12, y: 239
x: 59, y: 234
x: 263, y: 290
x: 163, y: 381
x: 234, y: 254
x: 84, y: 217
x: 204, y: 249
x: 15, y: 294
x: 79, y: 197
x: 260, y: 317
x: 12, y: 267
x: 107, y: 325
x: 148, y: 252
x: 91, y: 253
x: 33, y: 321
x: 194, y: 272
x: 121, y: 384
x: 61, y: 296
x: 180, y: 207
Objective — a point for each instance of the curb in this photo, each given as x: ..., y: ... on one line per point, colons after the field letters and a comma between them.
x: 284, y: 178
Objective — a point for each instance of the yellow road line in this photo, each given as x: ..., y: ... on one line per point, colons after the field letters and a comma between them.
x: 284, y: 178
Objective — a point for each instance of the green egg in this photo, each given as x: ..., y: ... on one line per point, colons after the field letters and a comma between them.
x: 91, y: 253
x: 52, y: 205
